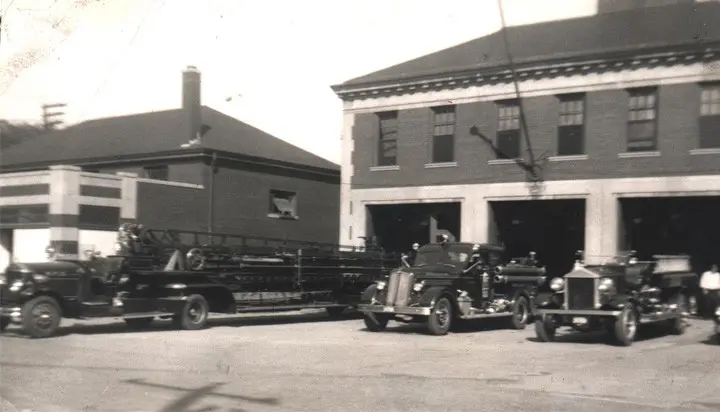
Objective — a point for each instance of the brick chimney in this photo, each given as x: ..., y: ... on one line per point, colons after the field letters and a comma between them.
x: 191, y: 105
x: 611, y: 6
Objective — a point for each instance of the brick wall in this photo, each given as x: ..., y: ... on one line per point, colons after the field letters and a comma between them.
x: 160, y: 206
x: 606, y: 115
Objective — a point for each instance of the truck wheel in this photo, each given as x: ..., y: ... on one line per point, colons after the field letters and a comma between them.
x: 626, y: 326
x: 4, y: 322
x: 521, y: 313
x: 335, y: 312
x: 441, y: 317
x: 194, y: 314
x: 677, y: 325
x: 545, y: 329
x: 139, y: 323
x: 41, y: 317
x: 375, y: 322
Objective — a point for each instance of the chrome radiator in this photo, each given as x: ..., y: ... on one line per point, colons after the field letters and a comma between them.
x: 392, y: 288
x: 399, y: 288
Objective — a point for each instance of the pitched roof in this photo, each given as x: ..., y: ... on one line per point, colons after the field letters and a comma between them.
x: 624, y: 31
x: 154, y: 132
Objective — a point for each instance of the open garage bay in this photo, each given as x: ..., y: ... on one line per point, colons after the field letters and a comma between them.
x: 301, y: 362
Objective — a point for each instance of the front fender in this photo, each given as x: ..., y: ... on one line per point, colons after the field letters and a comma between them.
x: 431, y: 294
x: 547, y: 300
x: 368, y: 294
x: 619, y: 300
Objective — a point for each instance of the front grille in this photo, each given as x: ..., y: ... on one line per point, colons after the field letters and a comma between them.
x: 392, y: 288
x: 403, y: 288
x: 580, y: 293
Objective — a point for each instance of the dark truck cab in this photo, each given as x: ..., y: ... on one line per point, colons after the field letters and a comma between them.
x: 618, y: 295
x: 450, y: 281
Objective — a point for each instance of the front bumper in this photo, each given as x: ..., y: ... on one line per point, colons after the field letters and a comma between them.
x: 394, y: 310
x: 12, y: 312
x: 570, y: 312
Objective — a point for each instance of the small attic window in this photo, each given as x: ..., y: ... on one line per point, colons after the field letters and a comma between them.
x: 283, y: 204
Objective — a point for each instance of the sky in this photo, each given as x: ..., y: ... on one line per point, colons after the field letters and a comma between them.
x: 268, y: 63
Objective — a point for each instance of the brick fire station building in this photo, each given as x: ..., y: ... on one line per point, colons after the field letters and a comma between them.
x: 623, y: 116
x: 73, y: 187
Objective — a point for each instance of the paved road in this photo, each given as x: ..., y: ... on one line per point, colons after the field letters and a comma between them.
x: 302, y: 362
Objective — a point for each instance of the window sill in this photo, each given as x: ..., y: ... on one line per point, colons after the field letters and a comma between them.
x: 630, y: 155
x: 502, y: 161
x: 567, y: 158
x: 708, y: 151
x: 384, y: 168
x: 278, y: 216
x: 440, y: 165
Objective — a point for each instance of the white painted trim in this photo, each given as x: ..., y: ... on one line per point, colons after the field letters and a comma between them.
x: 415, y: 200
x: 440, y: 165
x: 501, y: 162
x: 22, y: 179
x: 712, y: 151
x: 101, y: 180
x: 25, y: 174
x: 576, y: 83
x: 384, y: 168
x: 567, y: 158
x: 633, y: 155
x: 170, y: 183
x: 99, y: 201
x: 24, y: 200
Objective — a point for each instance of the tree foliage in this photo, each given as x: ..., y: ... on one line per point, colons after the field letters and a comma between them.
x: 12, y: 133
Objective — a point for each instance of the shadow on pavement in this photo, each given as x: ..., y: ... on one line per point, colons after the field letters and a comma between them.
x: 162, y: 325
x: 644, y: 333
x: 193, y: 396
x: 465, y: 326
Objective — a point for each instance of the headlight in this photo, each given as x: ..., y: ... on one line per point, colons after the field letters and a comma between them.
x: 118, y: 247
x: 39, y: 278
x: 381, y: 285
x: 557, y: 284
x: 605, y: 284
x: 418, y: 286
x: 717, y: 312
x: 2, y: 279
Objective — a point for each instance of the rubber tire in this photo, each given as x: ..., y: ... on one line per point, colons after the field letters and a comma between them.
x: 521, y: 302
x: 335, y: 312
x: 139, y: 323
x: 4, y: 322
x: 677, y: 325
x: 433, y: 326
x: 545, y: 329
x: 375, y: 322
x: 182, y: 319
x: 28, y: 325
x: 619, y: 333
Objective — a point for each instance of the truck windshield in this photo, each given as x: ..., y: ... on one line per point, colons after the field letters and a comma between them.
x: 441, y: 257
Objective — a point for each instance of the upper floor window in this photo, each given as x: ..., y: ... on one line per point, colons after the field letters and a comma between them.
x: 508, y: 130
x: 571, y: 125
x: 283, y: 204
x: 642, y: 120
x: 157, y: 172
x: 387, y: 145
x: 443, y: 140
x: 709, y: 122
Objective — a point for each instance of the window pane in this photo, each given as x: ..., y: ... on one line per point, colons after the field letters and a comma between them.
x: 443, y: 149
x: 641, y: 130
x: 710, y: 132
x: 508, y: 143
x: 570, y: 140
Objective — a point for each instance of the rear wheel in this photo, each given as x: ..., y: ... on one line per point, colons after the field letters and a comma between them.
x: 677, y: 325
x: 545, y: 328
x: 375, y: 322
x: 440, y: 320
x: 521, y: 313
x: 194, y: 314
x: 41, y: 317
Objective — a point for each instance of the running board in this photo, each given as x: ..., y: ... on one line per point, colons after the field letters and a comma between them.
x: 652, y: 318
x: 280, y: 308
x: 486, y: 315
x: 146, y: 315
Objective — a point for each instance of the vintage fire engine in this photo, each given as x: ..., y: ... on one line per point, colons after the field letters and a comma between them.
x: 172, y: 274
x: 618, y: 295
x: 450, y: 281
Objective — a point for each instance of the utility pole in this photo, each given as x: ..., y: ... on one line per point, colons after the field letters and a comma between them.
x: 49, y: 115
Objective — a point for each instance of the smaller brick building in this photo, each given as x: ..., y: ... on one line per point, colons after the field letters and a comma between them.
x: 192, y: 168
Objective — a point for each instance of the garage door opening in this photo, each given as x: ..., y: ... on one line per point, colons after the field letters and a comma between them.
x: 673, y: 225
x: 554, y: 229
x: 397, y: 227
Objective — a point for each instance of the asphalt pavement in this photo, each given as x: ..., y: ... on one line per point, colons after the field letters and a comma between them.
x: 304, y: 362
